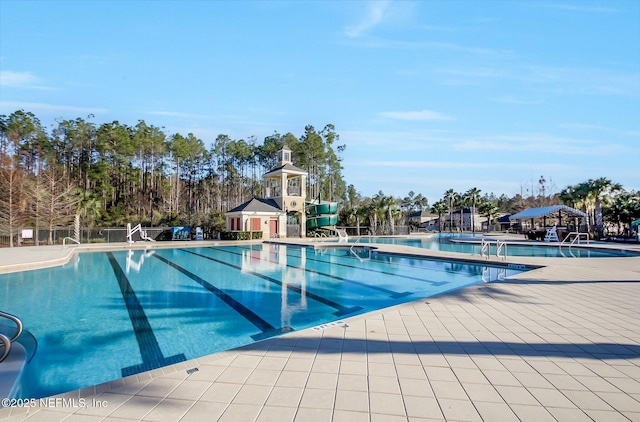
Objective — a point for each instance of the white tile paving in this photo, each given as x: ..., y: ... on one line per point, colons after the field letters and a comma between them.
x: 558, y: 343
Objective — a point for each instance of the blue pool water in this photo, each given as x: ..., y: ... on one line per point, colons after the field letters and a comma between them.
x: 449, y: 244
x: 111, y: 314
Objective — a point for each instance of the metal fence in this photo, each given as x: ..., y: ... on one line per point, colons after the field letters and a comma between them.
x: 26, y: 236
x: 119, y: 234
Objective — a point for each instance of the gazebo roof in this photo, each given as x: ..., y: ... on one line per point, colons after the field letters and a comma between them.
x: 546, y: 211
x: 285, y: 168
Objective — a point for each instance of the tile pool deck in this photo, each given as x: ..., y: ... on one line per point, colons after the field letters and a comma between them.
x: 561, y: 342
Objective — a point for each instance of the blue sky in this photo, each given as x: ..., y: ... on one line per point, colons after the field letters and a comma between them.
x: 426, y: 95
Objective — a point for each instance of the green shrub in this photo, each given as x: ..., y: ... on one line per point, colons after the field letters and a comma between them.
x: 240, y: 235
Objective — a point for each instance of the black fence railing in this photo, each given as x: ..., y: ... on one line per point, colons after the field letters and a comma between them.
x: 30, y: 236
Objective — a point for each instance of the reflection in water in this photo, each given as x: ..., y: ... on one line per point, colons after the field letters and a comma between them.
x: 134, y: 264
x: 273, y: 260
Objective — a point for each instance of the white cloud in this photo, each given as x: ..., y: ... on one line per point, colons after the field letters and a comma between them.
x: 373, y: 17
x: 423, y: 115
x: 538, y: 143
x: 11, y: 106
x: 11, y: 79
x: 557, y: 80
x: 434, y: 164
x: 581, y: 126
x: 579, y: 8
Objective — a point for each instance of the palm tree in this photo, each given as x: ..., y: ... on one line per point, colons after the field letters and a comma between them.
x: 439, y: 208
x: 598, y: 189
x: 449, y: 197
x: 361, y: 213
x: 376, y: 210
x: 577, y: 196
x: 387, y: 203
x: 625, y: 209
x: 420, y: 202
x: 489, y: 210
x: 473, y: 197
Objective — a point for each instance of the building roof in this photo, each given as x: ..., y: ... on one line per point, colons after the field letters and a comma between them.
x: 422, y: 214
x: 287, y: 168
x: 546, y: 211
x: 258, y: 205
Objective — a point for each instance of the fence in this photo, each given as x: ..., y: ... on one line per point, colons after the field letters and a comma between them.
x: 27, y: 235
x: 119, y: 234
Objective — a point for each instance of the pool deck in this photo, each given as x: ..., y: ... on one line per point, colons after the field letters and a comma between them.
x: 561, y: 342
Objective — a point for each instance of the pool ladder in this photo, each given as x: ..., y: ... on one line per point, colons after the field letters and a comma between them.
x: 6, y: 341
x: 356, y: 254
x: 577, y: 237
x: 501, y: 249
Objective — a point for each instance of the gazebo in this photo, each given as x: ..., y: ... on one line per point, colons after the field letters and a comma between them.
x: 552, y: 211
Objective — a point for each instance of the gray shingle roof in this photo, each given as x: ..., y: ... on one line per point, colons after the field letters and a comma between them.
x: 258, y: 205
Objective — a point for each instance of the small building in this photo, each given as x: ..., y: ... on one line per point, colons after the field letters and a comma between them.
x: 281, y: 213
x: 501, y: 223
x: 461, y: 219
x: 419, y: 217
x: 257, y: 215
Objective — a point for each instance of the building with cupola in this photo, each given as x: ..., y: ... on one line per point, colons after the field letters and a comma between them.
x: 280, y: 212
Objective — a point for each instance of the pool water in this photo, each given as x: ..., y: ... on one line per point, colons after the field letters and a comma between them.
x: 111, y: 314
x: 450, y: 244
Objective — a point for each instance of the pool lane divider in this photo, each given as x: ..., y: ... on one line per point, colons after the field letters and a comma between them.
x: 340, y: 309
x: 267, y: 330
x: 150, y: 351
x: 391, y: 293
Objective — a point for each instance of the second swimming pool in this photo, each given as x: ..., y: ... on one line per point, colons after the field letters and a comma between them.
x: 466, y: 244
x: 112, y: 314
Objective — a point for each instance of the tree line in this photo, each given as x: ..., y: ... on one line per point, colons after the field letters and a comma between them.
x: 611, y: 209
x: 112, y: 173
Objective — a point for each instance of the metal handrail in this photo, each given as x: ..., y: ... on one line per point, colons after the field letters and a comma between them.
x: 577, y: 237
x: 17, y: 321
x: 64, y: 244
x: 6, y: 340
x: 7, y: 346
x: 500, y: 245
x: 485, y: 247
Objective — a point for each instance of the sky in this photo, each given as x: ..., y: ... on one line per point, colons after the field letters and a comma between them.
x: 427, y: 96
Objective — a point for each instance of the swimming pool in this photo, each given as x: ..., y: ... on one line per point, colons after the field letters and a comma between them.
x: 465, y: 244
x: 111, y: 314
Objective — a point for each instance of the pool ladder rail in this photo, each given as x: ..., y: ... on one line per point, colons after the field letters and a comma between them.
x: 577, y: 237
x: 501, y: 246
x: 6, y: 341
x: 365, y: 248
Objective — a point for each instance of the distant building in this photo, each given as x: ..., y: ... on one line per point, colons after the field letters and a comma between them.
x: 281, y: 212
x: 423, y: 219
x: 456, y: 223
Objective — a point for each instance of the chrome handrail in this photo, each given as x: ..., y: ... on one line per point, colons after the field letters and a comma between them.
x: 7, y: 346
x: 485, y: 247
x: 64, y: 244
x: 6, y: 340
x: 500, y: 245
x: 17, y: 321
x: 577, y: 237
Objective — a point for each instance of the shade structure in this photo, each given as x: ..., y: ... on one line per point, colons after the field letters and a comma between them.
x: 636, y: 223
x: 547, y: 211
